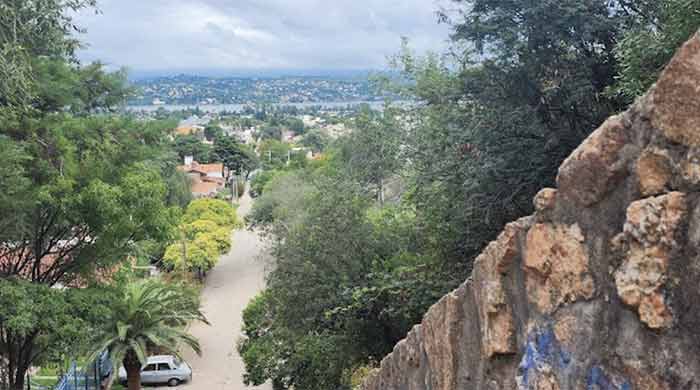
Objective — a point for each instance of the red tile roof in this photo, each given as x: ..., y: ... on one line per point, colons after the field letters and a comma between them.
x: 202, y: 168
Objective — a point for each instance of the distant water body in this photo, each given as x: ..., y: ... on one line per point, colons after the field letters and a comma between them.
x: 217, y: 108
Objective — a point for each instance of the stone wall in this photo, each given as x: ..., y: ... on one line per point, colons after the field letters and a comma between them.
x: 600, y: 288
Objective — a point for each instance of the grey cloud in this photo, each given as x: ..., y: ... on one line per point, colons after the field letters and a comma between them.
x: 249, y: 34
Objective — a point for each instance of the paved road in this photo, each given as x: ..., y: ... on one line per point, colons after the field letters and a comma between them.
x: 237, y: 277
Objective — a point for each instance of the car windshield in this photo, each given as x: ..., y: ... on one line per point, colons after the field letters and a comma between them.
x: 177, y: 362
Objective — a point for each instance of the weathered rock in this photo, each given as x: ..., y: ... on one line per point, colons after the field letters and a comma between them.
x: 495, y: 312
x: 651, y: 230
x: 654, y: 172
x: 690, y: 167
x: 545, y: 200
x: 597, y: 165
x: 441, y: 335
x: 596, y: 291
x: 556, y: 266
x: 545, y: 203
x: 675, y: 98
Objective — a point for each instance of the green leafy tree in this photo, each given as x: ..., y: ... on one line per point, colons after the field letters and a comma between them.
x: 316, y: 139
x: 191, y: 145
x: 372, y: 149
x: 179, y: 189
x: 259, y: 182
x: 274, y: 154
x: 81, y: 192
x: 148, y: 315
x: 296, y: 125
x: 270, y: 132
x: 39, y: 324
x: 29, y: 30
x: 197, y: 255
x: 205, y: 234
x: 87, y: 183
x: 645, y: 49
x: 212, y: 132
x: 347, y: 282
x: 220, y: 234
x: 215, y: 210
x: 238, y: 158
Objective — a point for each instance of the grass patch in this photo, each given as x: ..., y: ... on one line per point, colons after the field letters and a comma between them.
x: 45, y: 381
x: 47, y: 371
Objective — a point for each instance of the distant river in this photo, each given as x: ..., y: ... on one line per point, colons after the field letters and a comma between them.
x: 216, y: 108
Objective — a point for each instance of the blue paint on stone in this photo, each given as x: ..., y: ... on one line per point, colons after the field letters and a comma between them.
x: 599, y: 380
x: 542, y: 350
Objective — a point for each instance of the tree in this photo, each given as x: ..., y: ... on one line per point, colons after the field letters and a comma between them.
x: 274, y: 154
x: 191, y: 145
x: 39, y: 324
x: 347, y: 283
x: 219, y: 234
x: 372, y: 149
x: 215, y: 210
x: 179, y: 189
x: 645, y: 49
x: 316, y: 139
x: 212, y: 132
x: 525, y: 84
x: 29, y: 30
x: 197, y: 255
x: 270, y: 132
x: 81, y: 193
x: 259, y: 182
x: 148, y: 315
x: 238, y: 158
x: 205, y: 234
x: 296, y: 125
x: 83, y: 187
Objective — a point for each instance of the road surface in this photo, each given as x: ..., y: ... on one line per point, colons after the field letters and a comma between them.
x: 237, y: 278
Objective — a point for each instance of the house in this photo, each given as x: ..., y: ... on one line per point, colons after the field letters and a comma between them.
x: 18, y: 260
x: 189, y: 130
x: 193, y: 125
x: 207, y: 179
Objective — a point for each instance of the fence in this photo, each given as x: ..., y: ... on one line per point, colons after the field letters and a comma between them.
x: 88, y: 378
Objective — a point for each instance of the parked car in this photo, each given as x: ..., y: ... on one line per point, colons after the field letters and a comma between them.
x: 162, y: 369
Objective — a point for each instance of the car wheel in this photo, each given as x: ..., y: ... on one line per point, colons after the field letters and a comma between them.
x: 173, y: 382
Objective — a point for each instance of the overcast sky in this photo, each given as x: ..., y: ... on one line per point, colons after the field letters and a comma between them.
x: 187, y: 35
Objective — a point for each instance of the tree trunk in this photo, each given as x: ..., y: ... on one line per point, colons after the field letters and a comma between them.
x: 380, y: 194
x: 19, y: 377
x: 133, y: 378
x: 132, y: 365
x: 18, y: 364
x: 18, y: 382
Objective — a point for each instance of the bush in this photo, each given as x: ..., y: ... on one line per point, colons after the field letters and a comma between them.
x: 258, y: 183
x: 361, y: 373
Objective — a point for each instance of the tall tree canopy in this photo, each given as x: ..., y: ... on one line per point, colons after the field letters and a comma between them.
x: 81, y: 189
x: 523, y: 84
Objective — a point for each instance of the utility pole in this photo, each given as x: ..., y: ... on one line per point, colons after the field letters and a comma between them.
x: 234, y: 190
x: 184, y: 251
x: 289, y: 156
x: 235, y: 186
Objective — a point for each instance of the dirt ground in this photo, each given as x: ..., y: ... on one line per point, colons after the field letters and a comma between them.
x: 237, y: 277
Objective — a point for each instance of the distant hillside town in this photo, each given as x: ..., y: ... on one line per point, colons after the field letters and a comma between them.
x: 197, y: 90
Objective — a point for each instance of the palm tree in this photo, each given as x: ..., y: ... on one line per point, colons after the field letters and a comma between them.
x: 148, y: 315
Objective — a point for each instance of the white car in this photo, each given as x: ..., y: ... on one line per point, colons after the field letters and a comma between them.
x: 162, y: 369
